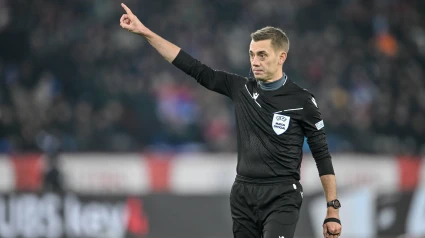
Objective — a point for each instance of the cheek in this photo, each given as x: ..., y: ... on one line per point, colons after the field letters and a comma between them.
x: 270, y: 65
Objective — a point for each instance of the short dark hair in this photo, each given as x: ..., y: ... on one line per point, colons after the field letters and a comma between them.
x: 279, y: 38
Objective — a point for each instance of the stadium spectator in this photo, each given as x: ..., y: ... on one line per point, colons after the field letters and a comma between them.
x: 364, y: 60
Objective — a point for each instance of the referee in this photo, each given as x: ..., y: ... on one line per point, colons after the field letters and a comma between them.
x: 273, y: 114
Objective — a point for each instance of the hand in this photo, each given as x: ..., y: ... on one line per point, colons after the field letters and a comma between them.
x: 332, y: 228
x: 130, y: 22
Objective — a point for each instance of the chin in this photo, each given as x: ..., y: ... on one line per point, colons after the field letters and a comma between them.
x: 259, y: 78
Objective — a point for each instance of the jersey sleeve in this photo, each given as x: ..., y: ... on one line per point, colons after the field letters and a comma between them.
x: 313, y: 127
x: 215, y: 80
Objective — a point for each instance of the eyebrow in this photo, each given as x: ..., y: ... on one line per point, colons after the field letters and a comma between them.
x: 259, y: 52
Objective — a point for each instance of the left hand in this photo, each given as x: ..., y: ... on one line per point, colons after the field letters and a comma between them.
x: 333, y: 228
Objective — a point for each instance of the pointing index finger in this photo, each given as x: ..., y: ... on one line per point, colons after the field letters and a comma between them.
x: 126, y: 9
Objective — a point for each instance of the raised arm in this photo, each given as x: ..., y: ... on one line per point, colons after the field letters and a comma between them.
x: 130, y: 22
x: 215, y: 80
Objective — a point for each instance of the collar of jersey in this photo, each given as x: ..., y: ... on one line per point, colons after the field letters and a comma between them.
x: 275, y: 84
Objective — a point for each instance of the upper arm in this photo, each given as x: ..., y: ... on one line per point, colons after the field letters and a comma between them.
x: 215, y: 80
x: 313, y: 127
x: 221, y: 82
x: 312, y: 118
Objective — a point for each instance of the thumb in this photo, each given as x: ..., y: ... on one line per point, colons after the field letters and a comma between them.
x: 325, y: 230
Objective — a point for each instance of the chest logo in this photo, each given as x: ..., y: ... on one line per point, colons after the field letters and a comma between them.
x: 280, y: 123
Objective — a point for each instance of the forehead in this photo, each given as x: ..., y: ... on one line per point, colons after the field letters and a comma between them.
x: 262, y: 45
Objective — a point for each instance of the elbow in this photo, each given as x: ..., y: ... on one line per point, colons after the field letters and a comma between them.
x: 324, y: 166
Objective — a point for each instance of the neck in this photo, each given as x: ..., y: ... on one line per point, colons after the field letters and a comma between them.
x: 273, y: 85
x: 276, y: 77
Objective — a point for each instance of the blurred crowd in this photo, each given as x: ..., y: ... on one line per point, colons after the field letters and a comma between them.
x: 72, y: 79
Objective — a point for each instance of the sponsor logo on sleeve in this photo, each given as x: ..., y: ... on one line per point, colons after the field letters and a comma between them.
x: 320, y: 125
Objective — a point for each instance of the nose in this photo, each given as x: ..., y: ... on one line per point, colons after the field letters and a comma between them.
x: 255, y: 62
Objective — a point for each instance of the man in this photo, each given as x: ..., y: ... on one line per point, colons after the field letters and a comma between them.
x: 273, y: 115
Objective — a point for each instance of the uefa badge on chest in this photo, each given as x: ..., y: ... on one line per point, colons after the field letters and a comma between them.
x: 280, y: 123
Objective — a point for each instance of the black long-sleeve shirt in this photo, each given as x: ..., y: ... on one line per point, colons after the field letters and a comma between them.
x: 271, y: 125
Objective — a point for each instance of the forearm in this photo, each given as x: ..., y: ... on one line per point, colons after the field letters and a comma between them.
x: 319, y: 149
x: 329, y: 187
x: 167, y: 49
x: 214, y: 80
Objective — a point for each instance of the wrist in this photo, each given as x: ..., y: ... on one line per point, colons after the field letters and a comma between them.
x: 335, y: 204
x: 332, y: 214
x: 332, y: 211
x: 145, y: 32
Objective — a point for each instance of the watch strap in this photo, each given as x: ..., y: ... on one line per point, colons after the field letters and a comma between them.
x: 332, y: 203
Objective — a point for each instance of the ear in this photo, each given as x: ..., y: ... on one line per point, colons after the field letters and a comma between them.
x: 282, y: 57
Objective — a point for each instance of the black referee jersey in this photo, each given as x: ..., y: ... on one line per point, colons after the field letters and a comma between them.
x: 271, y: 125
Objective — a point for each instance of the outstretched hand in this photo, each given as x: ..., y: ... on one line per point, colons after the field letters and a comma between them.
x: 130, y: 22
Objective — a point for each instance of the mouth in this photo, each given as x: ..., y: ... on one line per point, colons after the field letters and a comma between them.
x: 257, y: 71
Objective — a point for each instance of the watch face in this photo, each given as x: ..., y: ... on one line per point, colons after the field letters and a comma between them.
x: 334, y: 203
x: 337, y: 204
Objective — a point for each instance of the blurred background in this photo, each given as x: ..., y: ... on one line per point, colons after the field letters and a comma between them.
x: 101, y: 137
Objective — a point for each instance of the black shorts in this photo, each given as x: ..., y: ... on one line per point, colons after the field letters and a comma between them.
x: 267, y: 209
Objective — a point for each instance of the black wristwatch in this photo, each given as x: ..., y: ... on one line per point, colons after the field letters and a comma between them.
x: 334, y: 203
